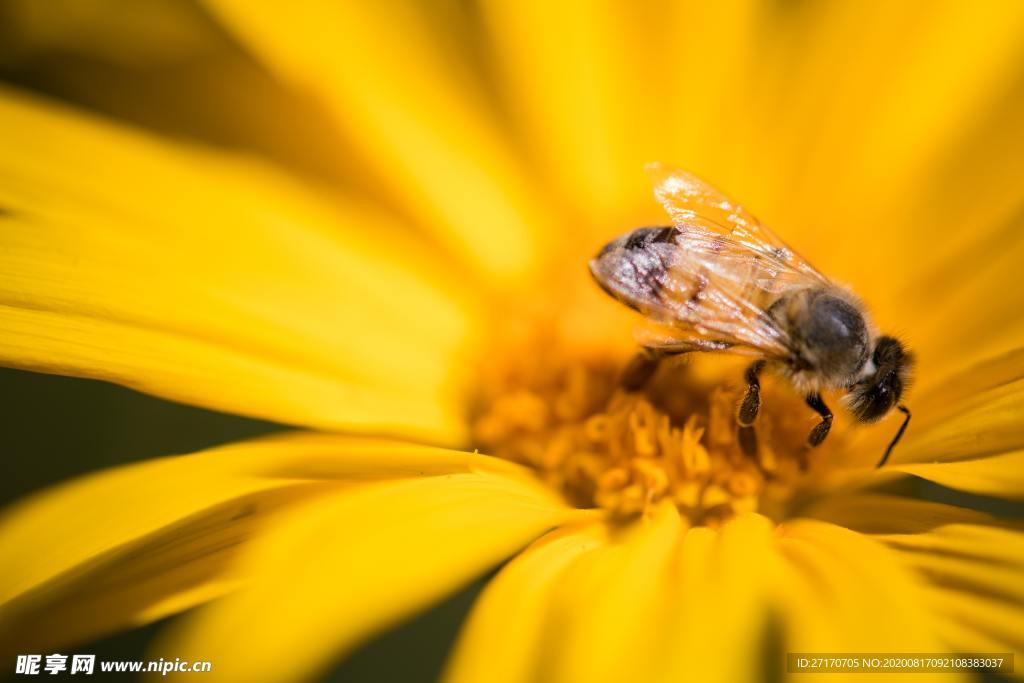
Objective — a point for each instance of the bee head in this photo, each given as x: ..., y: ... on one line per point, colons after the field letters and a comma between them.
x: 874, y: 396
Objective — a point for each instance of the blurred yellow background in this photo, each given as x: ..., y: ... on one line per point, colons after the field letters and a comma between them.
x: 883, y: 140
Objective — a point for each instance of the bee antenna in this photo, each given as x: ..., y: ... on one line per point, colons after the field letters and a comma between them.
x: 899, y: 435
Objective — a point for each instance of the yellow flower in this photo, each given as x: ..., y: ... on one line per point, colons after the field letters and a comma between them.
x: 439, y: 303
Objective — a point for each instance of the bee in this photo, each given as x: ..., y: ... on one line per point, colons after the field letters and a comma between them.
x: 716, y: 280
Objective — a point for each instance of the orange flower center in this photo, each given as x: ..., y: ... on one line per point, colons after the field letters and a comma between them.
x: 676, y: 438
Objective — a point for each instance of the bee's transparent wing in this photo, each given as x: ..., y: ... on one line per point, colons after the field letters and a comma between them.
x: 708, y: 283
x: 727, y: 269
x: 686, y: 197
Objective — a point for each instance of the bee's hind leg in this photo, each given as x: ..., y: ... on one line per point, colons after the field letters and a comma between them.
x: 641, y: 368
x: 749, y: 408
x: 643, y: 365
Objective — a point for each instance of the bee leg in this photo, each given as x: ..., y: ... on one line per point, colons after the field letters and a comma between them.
x: 749, y: 408
x: 820, y: 430
x: 641, y: 368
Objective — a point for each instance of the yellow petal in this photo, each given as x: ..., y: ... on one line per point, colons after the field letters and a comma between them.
x: 347, y: 566
x: 721, y: 608
x: 943, y: 391
x: 964, y: 197
x: 998, y: 475
x: 416, y: 116
x: 976, y: 579
x: 979, y: 317
x: 991, y: 544
x: 583, y: 80
x: 625, y: 582
x: 714, y: 76
x: 957, y: 62
x: 881, y: 513
x: 163, y: 491
x: 997, y: 621
x: 133, y: 544
x: 53, y: 532
x: 216, y: 281
x: 503, y: 639
x: 975, y: 575
x: 960, y: 636
x: 986, y: 424
x: 154, y: 575
x: 851, y: 594
x: 953, y: 65
x: 155, y: 35
x: 128, y: 546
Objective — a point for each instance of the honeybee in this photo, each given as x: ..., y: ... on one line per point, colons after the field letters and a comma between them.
x: 716, y: 280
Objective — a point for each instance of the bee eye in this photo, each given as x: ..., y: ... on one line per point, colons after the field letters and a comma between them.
x: 876, y: 396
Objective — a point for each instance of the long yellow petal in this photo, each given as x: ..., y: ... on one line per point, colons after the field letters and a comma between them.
x: 998, y: 475
x: 133, y: 544
x: 992, y: 544
x: 583, y: 80
x: 157, y: 35
x: 944, y: 391
x: 840, y: 592
x: 962, y: 636
x: 415, y: 114
x: 347, y: 566
x: 503, y: 639
x: 964, y: 197
x: 147, y: 578
x: 978, y: 317
x: 623, y: 583
x: 887, y: 514
x: 996, y: 620
x: 70, y: 525
x: 853, y: 594
x: 216, y: 281
x: 128, y: 546
x: 987, y: 424
x: 721, y: 607
x: 858, y: 86
x: 974, y: 573
x: 959, y: 60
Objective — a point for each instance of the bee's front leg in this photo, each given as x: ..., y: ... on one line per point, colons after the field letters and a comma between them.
x: 821, y: 429
x: 749, y: 408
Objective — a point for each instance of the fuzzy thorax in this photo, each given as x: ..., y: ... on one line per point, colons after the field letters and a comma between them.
x: 830, y: 336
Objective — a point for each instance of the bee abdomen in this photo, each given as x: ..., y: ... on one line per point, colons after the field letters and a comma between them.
x: 642, y: 238
x: 634, y: 268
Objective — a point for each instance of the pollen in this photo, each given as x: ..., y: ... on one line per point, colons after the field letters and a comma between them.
x: 624, y: 451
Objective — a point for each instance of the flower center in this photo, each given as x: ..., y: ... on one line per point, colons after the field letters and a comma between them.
x: 623, y: 451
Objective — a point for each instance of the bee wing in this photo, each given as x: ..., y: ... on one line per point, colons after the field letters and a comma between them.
x: 690, y: 200
x: 707, y: 283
